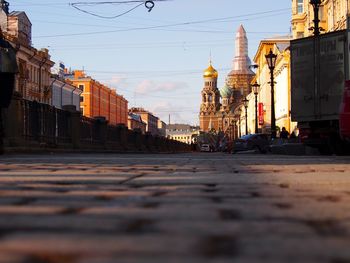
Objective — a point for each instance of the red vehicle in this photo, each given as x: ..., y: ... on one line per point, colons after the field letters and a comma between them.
x: 319, y: 98
x: 344, y: 120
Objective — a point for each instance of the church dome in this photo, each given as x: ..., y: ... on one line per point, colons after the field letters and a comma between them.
x: 225, y: 91
x: 210, y: 72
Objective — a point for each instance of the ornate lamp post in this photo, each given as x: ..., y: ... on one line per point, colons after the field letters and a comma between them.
x: 316, y: 6
x: 271, y: 62
x: 245, y: 103
x: 238, y: 122
x: 232, y: 130
x: 255, y: 87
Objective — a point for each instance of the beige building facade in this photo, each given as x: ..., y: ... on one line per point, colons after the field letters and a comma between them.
x: 148, y: 118
x: 135, y: 123
x: 280, y: 47
x: 33, y: 79
x: 333, y: 15
x: 183, y: 133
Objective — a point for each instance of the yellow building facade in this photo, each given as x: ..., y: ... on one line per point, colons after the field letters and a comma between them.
x: 280, y: 47
x: 333, y: 15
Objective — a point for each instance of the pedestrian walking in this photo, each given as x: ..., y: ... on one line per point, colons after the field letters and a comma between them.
x: 284, y: 133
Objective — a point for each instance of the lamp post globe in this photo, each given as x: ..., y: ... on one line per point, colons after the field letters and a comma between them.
x: 271, y: 62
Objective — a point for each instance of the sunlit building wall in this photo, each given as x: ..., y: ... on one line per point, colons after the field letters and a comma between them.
x: 135, y: 123
x: 279, y: 46
x: 99, y: 100
x: 34, y: 66
x: 148, y: 118
x: 183, y: 133
x: 333, y: 16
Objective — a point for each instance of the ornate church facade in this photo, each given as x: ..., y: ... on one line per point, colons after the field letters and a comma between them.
x: 220, y: 109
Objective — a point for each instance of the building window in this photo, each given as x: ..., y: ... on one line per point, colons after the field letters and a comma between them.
x: 300, y: 6
x: 321, y: 13
x: 300, y: 34
x: 81, y: 87
x: 81, y: 98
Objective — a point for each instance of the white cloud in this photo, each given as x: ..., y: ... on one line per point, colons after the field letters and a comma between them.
x: 162, y: 109
x: 149, y: 86
x: 117, y: 81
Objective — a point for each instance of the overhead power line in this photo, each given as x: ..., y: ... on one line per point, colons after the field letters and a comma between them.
x: 224, y: 19
x: 152, y: 71
x: 148, y: 5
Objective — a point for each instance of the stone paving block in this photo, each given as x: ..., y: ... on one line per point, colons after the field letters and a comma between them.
x: 96, y: 245
x: 296, y: 249
x: 22, y: 210
x: 11, y: 258
x: 174, y: 208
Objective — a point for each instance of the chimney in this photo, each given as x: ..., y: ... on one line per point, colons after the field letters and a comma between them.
x: 79, y: 74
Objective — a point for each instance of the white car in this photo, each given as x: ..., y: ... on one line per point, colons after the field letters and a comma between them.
x: 205, y: 148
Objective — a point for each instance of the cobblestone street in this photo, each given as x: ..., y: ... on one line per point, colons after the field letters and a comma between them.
x: 174, y: 208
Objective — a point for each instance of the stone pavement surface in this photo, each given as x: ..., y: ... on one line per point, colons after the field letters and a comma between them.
x: 174, y: 208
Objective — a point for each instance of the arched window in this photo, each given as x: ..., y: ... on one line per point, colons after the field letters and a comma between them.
x: 210, y: 98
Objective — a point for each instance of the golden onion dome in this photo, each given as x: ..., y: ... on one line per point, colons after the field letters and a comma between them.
x: 210, y: 72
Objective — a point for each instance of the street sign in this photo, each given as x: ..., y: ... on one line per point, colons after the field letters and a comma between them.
x: 261, y: 113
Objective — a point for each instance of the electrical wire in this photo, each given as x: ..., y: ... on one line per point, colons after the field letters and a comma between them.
x: 148, y: 5
x: 106, y: 17
x: 278, y: 11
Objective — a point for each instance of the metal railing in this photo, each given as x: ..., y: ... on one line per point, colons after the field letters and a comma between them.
x: 44, y: 125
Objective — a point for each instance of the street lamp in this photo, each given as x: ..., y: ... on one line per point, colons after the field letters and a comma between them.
x: 255, y: 87
x: 238, y: 121
x: 245, y: 103
x: 271, y: 62
x: 316, y: 6
x: 232, y: 130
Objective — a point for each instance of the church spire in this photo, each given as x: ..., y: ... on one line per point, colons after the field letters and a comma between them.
x: 241, y: 61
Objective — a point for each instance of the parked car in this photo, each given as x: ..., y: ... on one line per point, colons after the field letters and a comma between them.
x: 205, y: 148
x: 255, y: 142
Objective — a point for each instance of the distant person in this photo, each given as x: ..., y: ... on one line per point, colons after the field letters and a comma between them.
x: 292, y: 135
x: 284, y: 133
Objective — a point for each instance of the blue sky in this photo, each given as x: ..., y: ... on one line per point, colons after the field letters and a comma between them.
x: 154, y: 59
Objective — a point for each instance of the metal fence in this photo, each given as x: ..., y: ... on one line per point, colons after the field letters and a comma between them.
x: 47, y: 126
x: 44, y: 123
